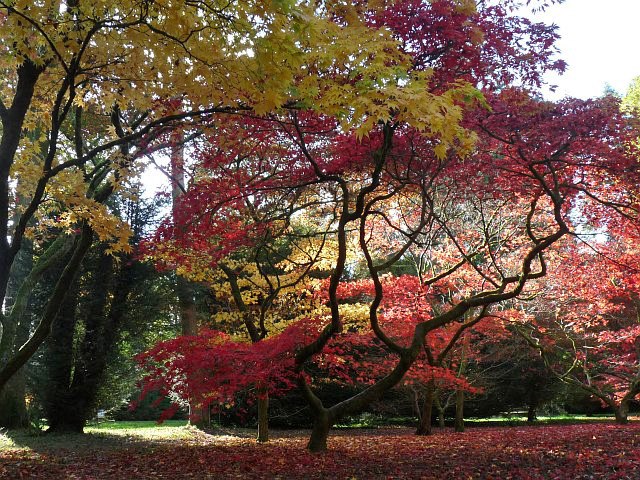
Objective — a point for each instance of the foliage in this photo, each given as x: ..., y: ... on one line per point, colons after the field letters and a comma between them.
x: 585, y: 323
x: 485, y: 189
x: 92, y: 89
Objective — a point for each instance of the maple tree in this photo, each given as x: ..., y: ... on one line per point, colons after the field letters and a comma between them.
x: 586, y: 328
x: 90, y: 89
x: 541, y: 159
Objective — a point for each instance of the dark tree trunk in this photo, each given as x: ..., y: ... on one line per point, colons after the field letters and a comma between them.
x: 440, y: 409
x: 13, y: 406
x: 13, y: 409
x: 199, y: 416
x: 424, y: 425
x: 622, y: 413
x: 76, y: 374
x: 320, y: 432
x: 459, y: 423
x: 533, y: 399
x: 263, y: 415
x: 60, y: 409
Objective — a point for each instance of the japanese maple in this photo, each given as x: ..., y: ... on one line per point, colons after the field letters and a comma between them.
x: 488, y: 184
x: 585, y: 326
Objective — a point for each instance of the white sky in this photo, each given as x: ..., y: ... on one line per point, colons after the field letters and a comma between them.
x: 600, y: 42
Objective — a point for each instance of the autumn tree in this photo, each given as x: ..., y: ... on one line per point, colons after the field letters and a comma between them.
x: 91, y: 88
x: 253, y: 269
x: 585, y: 328
x: 540, y: 158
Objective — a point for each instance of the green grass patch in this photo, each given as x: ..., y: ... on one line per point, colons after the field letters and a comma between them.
x: 107, y: 435
x: 517, y: 420
x: 137, y: 424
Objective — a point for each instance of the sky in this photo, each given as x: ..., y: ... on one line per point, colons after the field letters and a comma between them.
x: 600, y: 42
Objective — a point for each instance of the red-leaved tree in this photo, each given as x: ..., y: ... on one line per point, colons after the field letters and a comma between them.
x: 486, y: 197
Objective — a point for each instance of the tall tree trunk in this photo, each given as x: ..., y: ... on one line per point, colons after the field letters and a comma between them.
x: 440, y: 409
x: 320, y: 432
x: 459, y: 423
x: 60, y: 407
x: 533, y: 400
x: 622, y: 413
x: 263, y: 415
x: 13, y: 406
x: 187, y: 307
x: 199, y: 415
x: 424, y: 425
x: 102, y: 327
x: 100, y: 311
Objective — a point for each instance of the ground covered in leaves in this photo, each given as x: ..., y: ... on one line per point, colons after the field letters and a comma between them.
x: 586, y: 451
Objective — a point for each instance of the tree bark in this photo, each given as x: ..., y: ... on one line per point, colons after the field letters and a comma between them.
x: 440, y: 409
x: 424, y: 425
x: 54, y: 303
x: 199, y: 415
x: 13, y: 406
x: 459, y: 423
x: 320, y: 432
x: 622, y: 413
x: 263, y: 415
x: 13, y: 409
x: 60, y: 408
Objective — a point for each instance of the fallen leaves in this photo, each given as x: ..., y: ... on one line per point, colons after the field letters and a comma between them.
x: 539, y: 452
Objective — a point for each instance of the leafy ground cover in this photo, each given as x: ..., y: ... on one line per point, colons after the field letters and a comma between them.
x: 581, y: 451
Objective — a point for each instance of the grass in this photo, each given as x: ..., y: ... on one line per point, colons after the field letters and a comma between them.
x: 136, y: 425
x: 368, y: 420
x: 104, y: 435
x: 518, y: 420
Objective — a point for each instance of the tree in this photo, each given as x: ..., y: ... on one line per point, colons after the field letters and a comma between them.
x: 87, y: 328
x: 89, y: 91
x: 540, y: 158
x: 586, y: 327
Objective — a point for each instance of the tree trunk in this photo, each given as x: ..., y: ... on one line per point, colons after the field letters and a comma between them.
x: 13, y: 409
x: 320, y: 432
x: 199, y: 416
x: 263, y: 415
x: 621, y: 413
x: 424, y: 425
x: 13, y: 406
x: 533, y: 395
x: 60, y: 409
x: 78, y: 357
x: 67, y: 420
x: 459, y: 424
x: 439, y: 407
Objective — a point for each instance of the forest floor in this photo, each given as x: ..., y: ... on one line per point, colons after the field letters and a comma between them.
x: 581, y: 451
